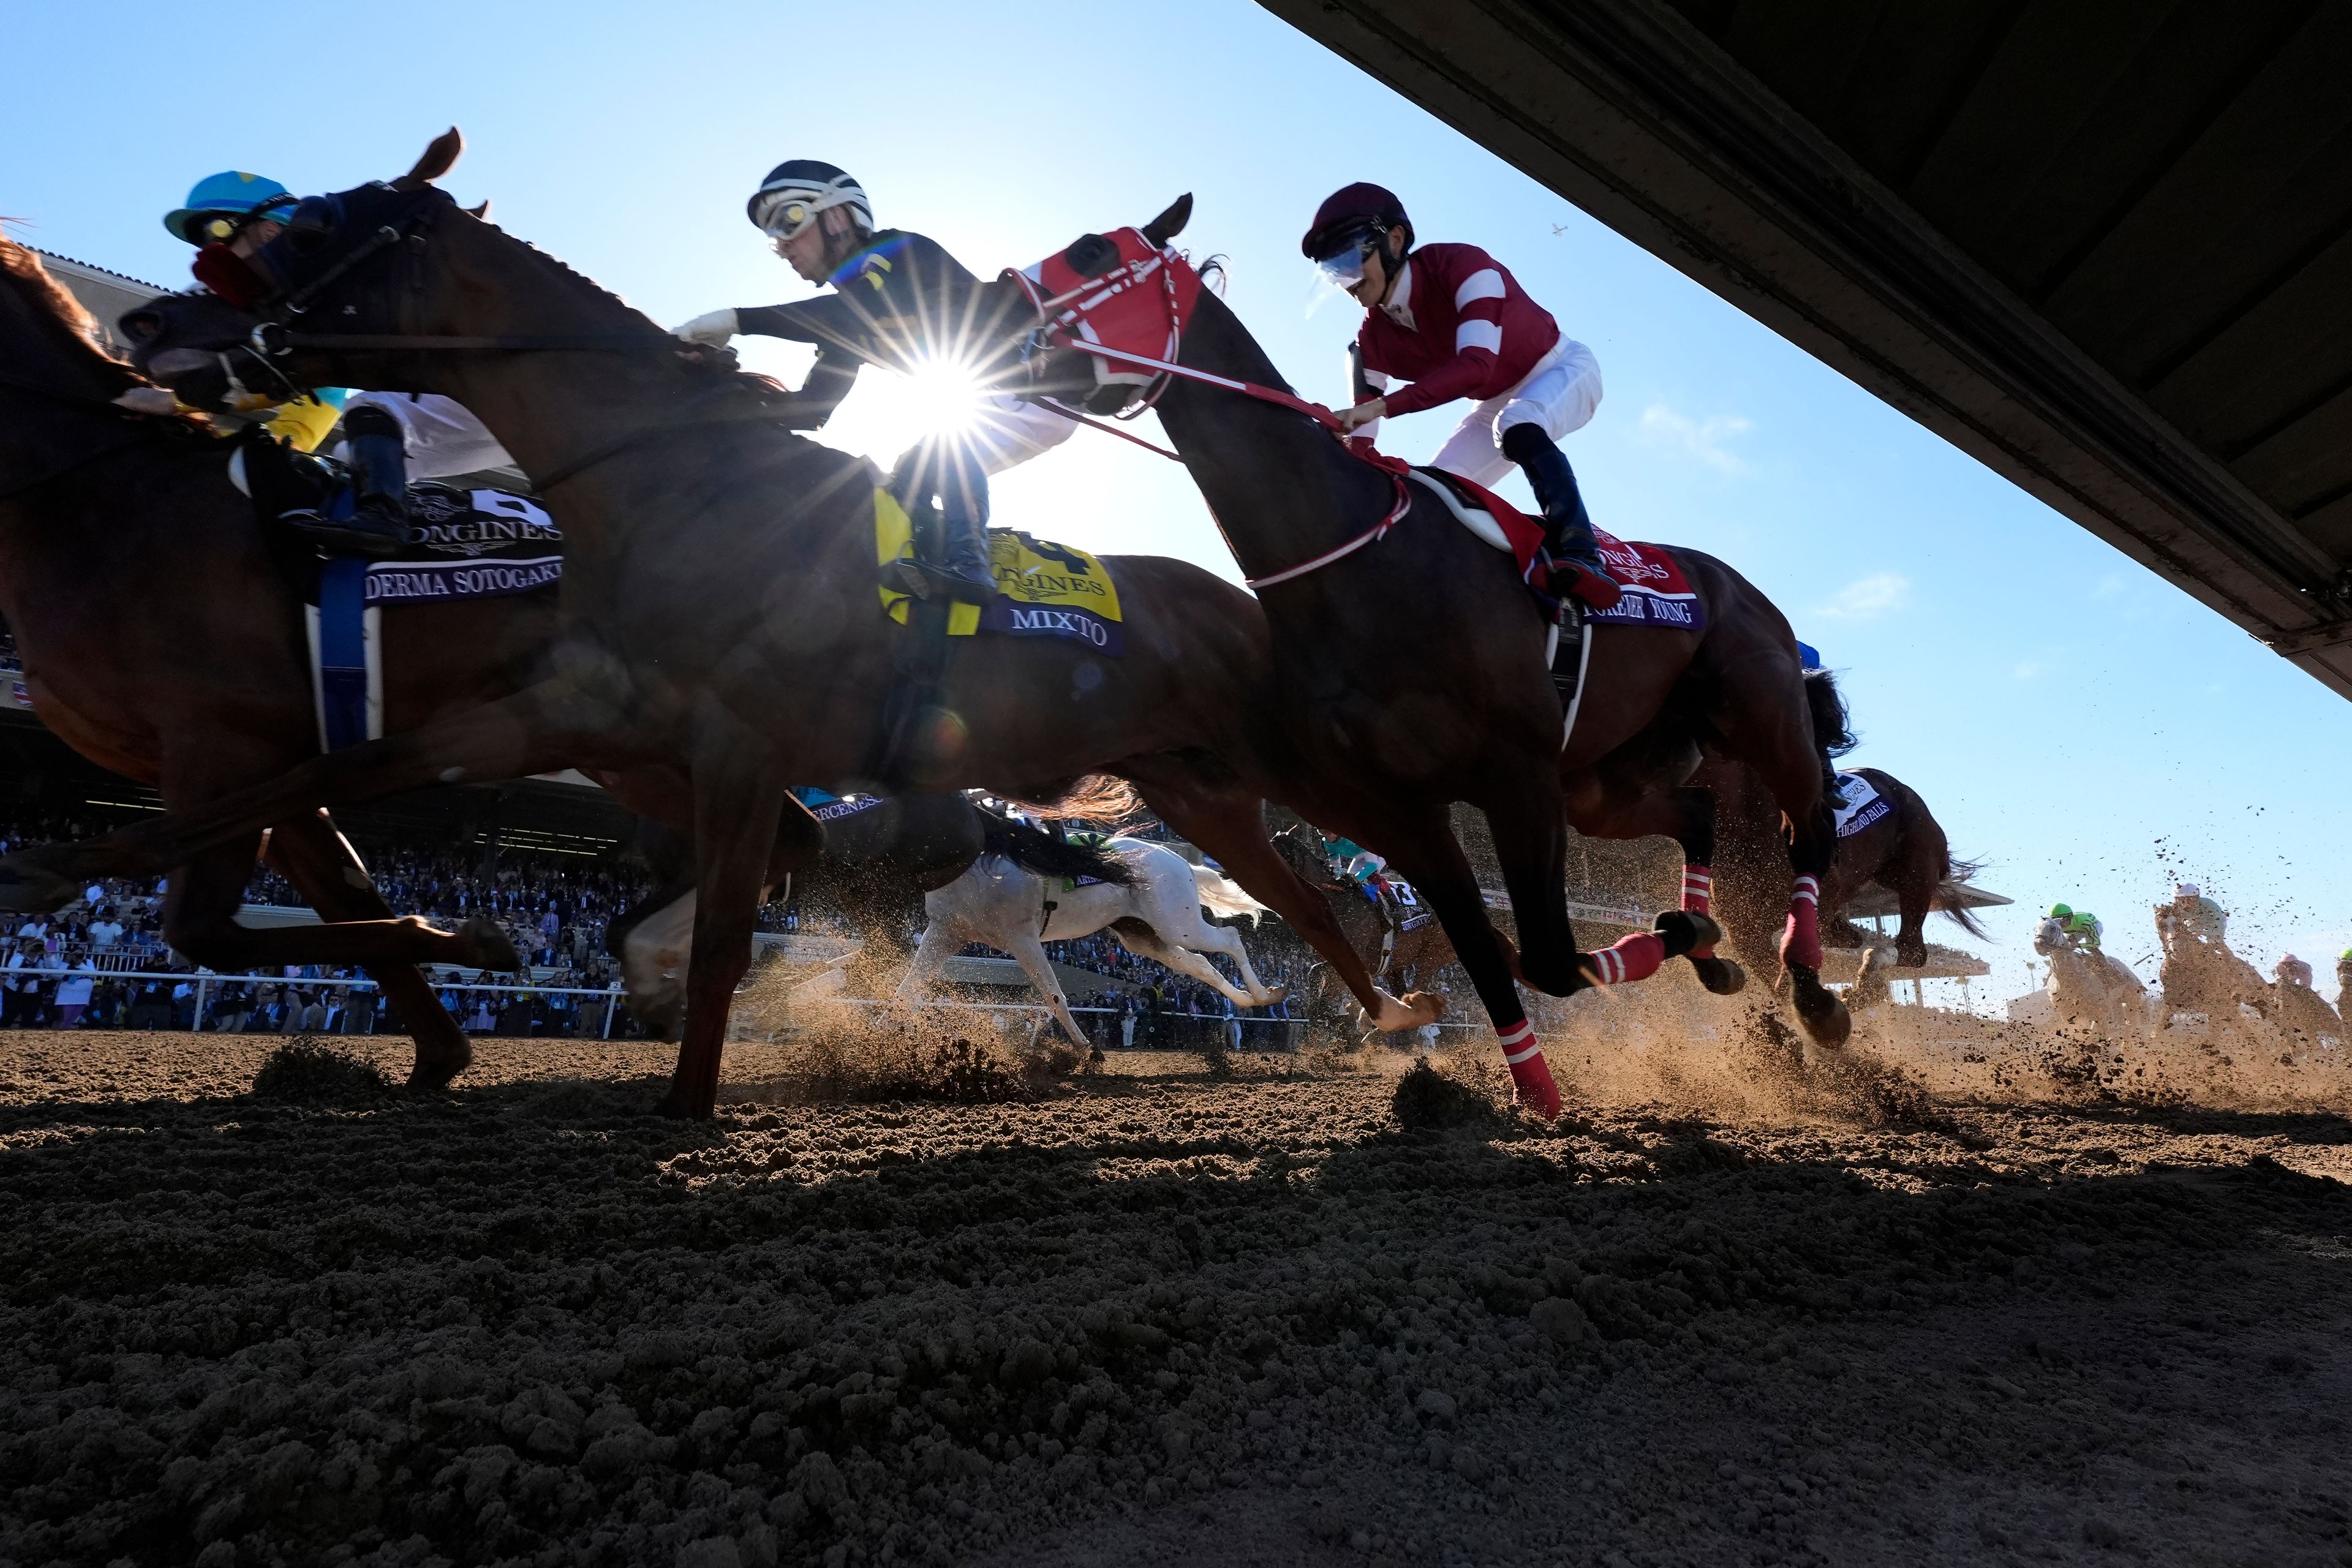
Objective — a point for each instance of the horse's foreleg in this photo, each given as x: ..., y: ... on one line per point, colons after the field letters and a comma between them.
x: 321, y: 865
x: 1432, y: 859
x: 1813, y: 848
x: 1684, y: 813
x: 1230, y: 827
x: 538, y: 730
x: 1030, y: 954
x: 740, y: 791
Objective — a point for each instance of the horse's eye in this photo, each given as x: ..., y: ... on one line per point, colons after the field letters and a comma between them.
x: 312, y: 225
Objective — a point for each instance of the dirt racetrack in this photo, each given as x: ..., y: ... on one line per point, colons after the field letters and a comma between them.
x: 1153, y: 1316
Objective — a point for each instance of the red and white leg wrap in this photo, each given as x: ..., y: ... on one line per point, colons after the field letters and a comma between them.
x: 1800, y: 944
x: 1698, y: 897
x: 1529, y: 1075
x: 1635, y: 957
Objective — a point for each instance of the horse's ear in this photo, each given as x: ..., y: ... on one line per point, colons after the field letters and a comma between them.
x: 440, y: 157
x: 482, y: 212
x: 1169, y: 223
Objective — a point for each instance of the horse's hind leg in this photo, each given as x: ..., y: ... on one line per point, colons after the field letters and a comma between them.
x: 1030, y: 955
x: 1687, y: 815
x: 1145, y: 942
x: 321, y: 865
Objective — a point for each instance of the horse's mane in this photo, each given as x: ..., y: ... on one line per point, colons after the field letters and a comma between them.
x: 73, y: 328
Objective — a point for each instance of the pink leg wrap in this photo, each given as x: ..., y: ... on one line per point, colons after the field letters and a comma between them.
x: 1800, y: 944
x: 1529, y: 1075
x: 1698, y: 893
x: 1634, y: 957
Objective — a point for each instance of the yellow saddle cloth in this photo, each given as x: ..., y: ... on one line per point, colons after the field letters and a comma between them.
x: 1043, y: 589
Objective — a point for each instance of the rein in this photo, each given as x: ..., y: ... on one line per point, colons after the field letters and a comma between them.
x: 1078, y: 304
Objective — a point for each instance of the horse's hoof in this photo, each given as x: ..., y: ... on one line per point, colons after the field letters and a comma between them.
x: 492, y: 947
x: 430, y: 1073
x: 1825, y: 1018
x: 1686, y: 931
x: 677, y: 1106
x: 1720, y: 975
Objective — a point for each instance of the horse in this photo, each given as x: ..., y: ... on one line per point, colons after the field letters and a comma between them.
x: 1901, y: 848
x: 879, y: 855
x: 720, y: 621
x: 1151, y: 899
x: 151, y: 519
x: 2092, y: 989
x: 1392, y: 940
x: 163, y: 638
x: 1411, y: 667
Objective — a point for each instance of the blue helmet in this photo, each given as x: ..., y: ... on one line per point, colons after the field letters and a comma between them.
x: 230, y: 197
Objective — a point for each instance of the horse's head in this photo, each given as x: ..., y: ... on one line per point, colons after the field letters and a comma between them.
x: 355, y: 263
x: 1125, y: 291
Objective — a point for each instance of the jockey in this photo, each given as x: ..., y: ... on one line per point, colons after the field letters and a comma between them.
x: 901, y: 302
x: 2195, y: 914
x: 1456, y: 323
x: 2293, y: 970
x: 385, y: 434
x: 2082, y: 930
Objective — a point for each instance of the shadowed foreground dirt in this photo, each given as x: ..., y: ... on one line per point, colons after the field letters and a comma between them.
x: 1158, y: 1318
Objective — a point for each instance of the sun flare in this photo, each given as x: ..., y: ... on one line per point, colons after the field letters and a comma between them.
x: 941, y: 397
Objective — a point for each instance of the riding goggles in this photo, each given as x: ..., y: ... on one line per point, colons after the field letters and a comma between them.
x: 220, y: 227
x: 787, y: 215
x: 1344, y: 268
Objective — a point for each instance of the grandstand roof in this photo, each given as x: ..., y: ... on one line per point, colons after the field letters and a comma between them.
x: 104, y: 294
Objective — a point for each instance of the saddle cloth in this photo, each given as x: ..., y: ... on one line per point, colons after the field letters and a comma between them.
x: 826, y: 806
x: 1043, y: 589
x: 1655, y: 592
x: 466, y: 545
x: 1862, y: 804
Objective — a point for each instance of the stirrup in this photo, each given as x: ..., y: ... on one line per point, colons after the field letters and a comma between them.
x: 356, y: 535
x: 926, y: 581
x: 1595, y: 588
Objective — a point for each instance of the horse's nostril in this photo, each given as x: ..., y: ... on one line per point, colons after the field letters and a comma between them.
x: 143, y: 326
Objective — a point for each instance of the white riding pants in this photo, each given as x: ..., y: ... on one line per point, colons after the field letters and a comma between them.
x: 1560, y: 395
x: 442, y: 436
x: 1007, y: 432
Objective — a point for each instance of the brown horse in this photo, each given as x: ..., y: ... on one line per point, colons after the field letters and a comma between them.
x: 1903, y: 850
x: 1392, y: 940
x: 1409, y: 674
x: 163, y: 638
x: 720, y: 622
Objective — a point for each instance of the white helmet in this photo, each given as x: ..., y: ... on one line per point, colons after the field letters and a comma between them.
x: 800, y: 190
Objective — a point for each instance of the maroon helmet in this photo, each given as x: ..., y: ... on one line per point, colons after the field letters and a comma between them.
x: 1349, y: 216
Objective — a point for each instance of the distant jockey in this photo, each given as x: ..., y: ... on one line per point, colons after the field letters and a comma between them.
x: 2344, y: 980
x: 2293, y: 970
x: 1357, y: 863
x: 384, y: 434
x: 1453, y: 321
x: 900, y: 301
x: 2080, y: 930
x: 2193, y: 914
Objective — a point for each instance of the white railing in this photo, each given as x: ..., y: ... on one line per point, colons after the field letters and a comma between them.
x: 201, y: 979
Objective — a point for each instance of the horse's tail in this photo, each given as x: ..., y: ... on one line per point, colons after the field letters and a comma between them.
x: 1833, y: 727
x: 1220, y: 895
x: 1034, y: 850
x: 1964, y: 871
x: 1096, y: 797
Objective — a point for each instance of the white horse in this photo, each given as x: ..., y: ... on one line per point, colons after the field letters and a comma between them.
x: 1156, y: 915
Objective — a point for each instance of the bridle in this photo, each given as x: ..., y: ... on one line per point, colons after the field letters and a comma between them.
x: 1062, y: 323
x: 276, y: 335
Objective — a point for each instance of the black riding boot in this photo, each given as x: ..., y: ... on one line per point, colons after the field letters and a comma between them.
x: 962, y: 572
x: 1568, y: 530
x: 378, y: 459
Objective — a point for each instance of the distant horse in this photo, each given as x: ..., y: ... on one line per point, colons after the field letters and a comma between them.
x: 1149, y: 897
x: 719, y: 619
x: 1902, y: 848
x: 1410, y: 664
x: 2093, y: 990
x: 879, y: 859
x: 1391, y: 939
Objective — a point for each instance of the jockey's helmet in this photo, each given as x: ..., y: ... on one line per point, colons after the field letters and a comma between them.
x: 799, y: 191
x: 1351, y: 219
x: 2061, y: 912
x: 218, y: 205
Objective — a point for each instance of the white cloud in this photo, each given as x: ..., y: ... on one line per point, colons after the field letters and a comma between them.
x: 1700, y: 439
x: 1868, y: 596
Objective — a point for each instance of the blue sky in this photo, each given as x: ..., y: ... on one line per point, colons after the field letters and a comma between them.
x: 2080, y: 725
